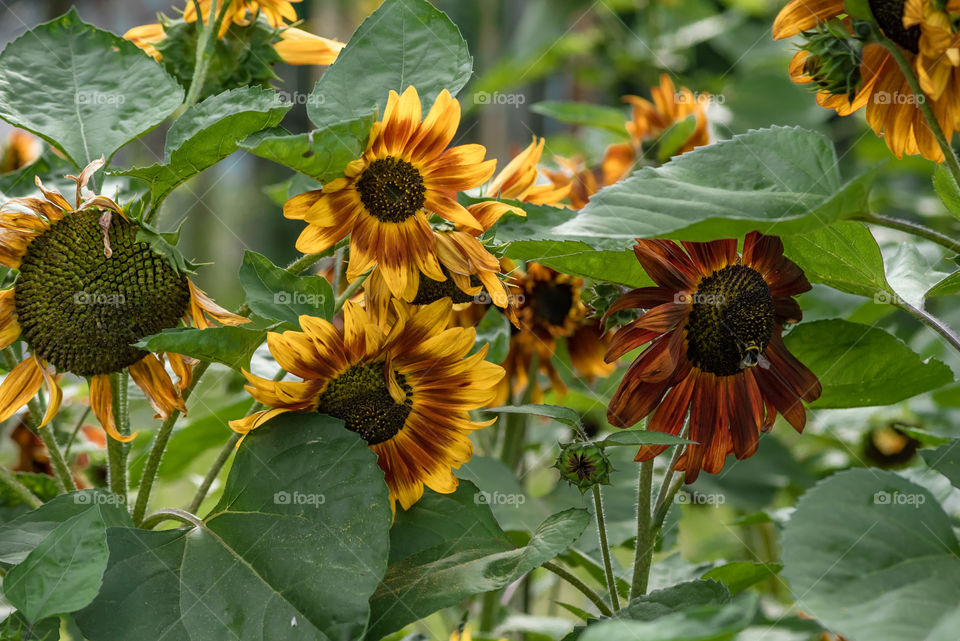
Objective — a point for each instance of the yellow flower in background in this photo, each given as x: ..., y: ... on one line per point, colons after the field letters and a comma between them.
x: 20, y: 149
x: 406, y: 389
x: 924, y: 31
x: 668, y: 107
x: 242, y: 12
x: 85, y: 292
x: 384, y: 200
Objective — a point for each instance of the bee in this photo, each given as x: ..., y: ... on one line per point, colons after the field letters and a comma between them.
x: 751, y: 356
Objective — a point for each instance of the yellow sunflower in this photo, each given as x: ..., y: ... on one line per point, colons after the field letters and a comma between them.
x: 384, y: 198
x: 926, y: 33
x: 21, y: 149
x: 669, y: 106
x: 407, y: 389
x: 87, y: 290
x: 296, y: 46
x: 519, y: 180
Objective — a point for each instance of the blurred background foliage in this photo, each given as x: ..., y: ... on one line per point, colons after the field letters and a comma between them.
x: 594, y: 51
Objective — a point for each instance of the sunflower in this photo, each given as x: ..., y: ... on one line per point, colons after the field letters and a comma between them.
x: 549, y: 308
x: 384, y: 198
x: 295, y: 46
x: 406, y: 389
x: 713, y: 317
x: 924, y: 30
x: 20, y: 150
x: 519, y: 180
x: 650, y: 120
x: 86, y: 290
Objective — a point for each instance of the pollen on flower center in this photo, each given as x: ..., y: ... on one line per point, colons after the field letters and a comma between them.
x: 392, y: 189
x: 889, y: 15
x: 730, y: 322
x: 360, y: 398
x: 80, y: 310
x: 552, y: 302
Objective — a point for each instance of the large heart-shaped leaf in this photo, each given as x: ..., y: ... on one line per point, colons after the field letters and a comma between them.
x: 449, y: 547
x: 293, y: 550
x: 873, y: 556
x: 276, y: 294
x: 97, y: 91
x: 781, y: 180
x: 403, y: 43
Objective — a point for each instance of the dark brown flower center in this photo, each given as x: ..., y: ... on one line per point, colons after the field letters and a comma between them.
x: 731, y: 320
x: 391, y: 189
x: 433, y: 290
x: 360, y: 398
x: 80, y: 310
x: 552, y: 302
x: 889, y: 15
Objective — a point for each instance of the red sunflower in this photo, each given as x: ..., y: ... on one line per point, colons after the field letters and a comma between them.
x: 715, y: 348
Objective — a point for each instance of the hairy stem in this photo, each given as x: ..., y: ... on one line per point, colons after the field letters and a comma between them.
x: 19, y: 489
x: 930, y: 321
x: 912, y: 228
x: 605, y: 548
x: 643, y: 548
x: 171, y: 514
x: 116, y: 450
x: 584, y: 589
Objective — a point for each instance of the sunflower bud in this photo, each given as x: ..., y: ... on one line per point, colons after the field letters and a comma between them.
x: 834, y: 58
x: 584, y: 465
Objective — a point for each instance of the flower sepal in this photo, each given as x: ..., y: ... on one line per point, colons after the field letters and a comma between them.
x: 584, y: 465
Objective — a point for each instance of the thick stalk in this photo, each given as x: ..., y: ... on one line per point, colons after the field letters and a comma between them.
x: 923, y: 103
x: 912, y: 228
x: 643, y: 548
x: 584, y: 589
x: 116, y: 450
x: 605, y: 548
x: 348, y: 293
x: 171, y: 514
x: 19, y: 489
x: 930, y: 321
x: 159, y: 445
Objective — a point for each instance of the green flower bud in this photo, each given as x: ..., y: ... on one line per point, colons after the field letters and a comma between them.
x: 835, y: 57
x: 584, y: 465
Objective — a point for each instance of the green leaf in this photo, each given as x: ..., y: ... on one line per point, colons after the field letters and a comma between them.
x: 448, y: 547
x: 671, y: 141
x: 232, y: 346
x: 321, y: 154
x: 403, y: 43
x: 17, y: 628
x: 562, y: 414
x: 740, y: 575
x: 946, y: 287
x: 294, y: 548
x: 911, y: 275
x: 276, y: 294
x: 493, y: 330
x: 62, y: 573
x: 861, y: 366
x: 85, y: 91
x: 946, y: 187
x: 873, y: 556
x: 641, y: 437
x: 676, y: 598
x: 844, y: 256
x: 584, y: 113
x: 782, y: 180
x: 207, y: 133
x: 578, y: 258
x: 21, y: 182
x: 946, y: 460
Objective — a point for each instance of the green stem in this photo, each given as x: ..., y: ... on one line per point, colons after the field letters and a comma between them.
x: 304, y: 263
x: 348, y: 293
x: 668, y: 490
x: 116, y: 450
x: 18, y: 488
x: 76, y: 430
x: 159, y: 445
x: 912, y: 228
x: 584, y: 589
x: 228, y: 448
x: 201, y: 61
x: 930, y: 321
x: 171, y: 514
x: 605, y: 548
x: 643, y: 547
x: 923, y: 103
x: 338, y: 269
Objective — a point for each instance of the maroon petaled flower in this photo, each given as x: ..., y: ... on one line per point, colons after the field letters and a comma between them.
x: 715, y: 348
